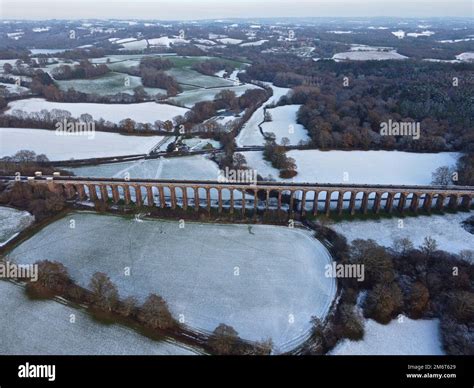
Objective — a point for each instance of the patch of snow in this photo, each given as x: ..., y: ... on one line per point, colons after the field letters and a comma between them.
x: 279, y: 288
x: 42, y: 327
x: 358, y: 167
x: 57, y: 147
x: 146, y: 112
x: 368, y: 56
x: 408, y: 337
x: 466, y: 57
x: 256, y: 43
x: 446, y: 229
x: 12, y: 222
x: 230, y: 41
x: 40, y: 29
x: 455, y: 40
x: 284, y: 124
x: 250, y: 133
x: 417, y: 34
x: 400, y: 34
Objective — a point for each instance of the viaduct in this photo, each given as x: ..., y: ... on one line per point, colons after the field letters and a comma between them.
x: 304, y: 198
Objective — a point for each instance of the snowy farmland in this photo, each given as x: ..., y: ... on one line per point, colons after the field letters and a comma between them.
x: 265, y: 281
x: 368, y: 56
x: 108, y: 84
x: 446, y: 229
x: 466, y: 57
x: 404, y: 337
x: 13, y: 89
x: 43, y: 327
x: 254, y: 43
x: 182, y: 168
x: 190, y: 97
x: 12, y: 222
x: 250, y: 133
x: 284, y: 124
x: 61, y: 147
x: 146, y: 112
x: 354, y: 167
x: 134, y: 44
x: 193, y: 78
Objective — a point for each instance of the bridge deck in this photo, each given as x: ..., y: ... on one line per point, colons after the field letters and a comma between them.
x: 252, y: 186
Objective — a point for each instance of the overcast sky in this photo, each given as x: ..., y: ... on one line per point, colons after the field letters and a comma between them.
x: 216, y: 9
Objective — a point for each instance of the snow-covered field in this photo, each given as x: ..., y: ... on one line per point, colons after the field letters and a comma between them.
x: 284, y: 124
x: 108, y: 84
x: 46, y: 51
x: 265, y: 281
x: 124, y: 58
x: 377, y: 167
x: 12, y: 222
x: 250, y: 133
x: 133, y: 44
x: 13, y: 88
x: 467, y: 57
x: 254, y: 43
x: 400, y: 34
x: 368, y: 56
x: 192, y: 77
x: 56, y: 147
x: 418, y: 34
x: 195, y: 143
x: 230, y: 41
x: 146, y: 112
x: 44, y: 328
x: 187, y: 167
x: 405, y: 337
x: 190, y: 97
x: 445, y: 229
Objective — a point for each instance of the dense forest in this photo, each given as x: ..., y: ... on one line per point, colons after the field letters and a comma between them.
x: 344, y: 104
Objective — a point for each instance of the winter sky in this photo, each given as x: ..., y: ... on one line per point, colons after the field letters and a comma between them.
x: 217, y: 9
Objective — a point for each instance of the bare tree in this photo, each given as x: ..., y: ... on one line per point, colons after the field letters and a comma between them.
x: 52, y: 275
x: 402, y: 245
x: 104, y: 292
x: 239, y: 160
x: 442, y: 176
x: 429, y: 245
x: 155, y: 313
